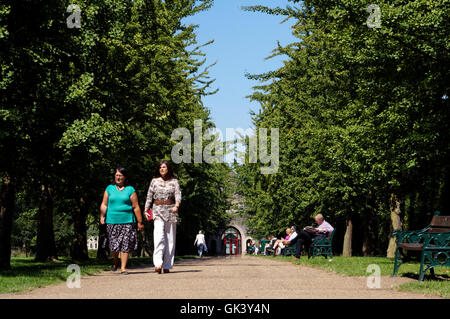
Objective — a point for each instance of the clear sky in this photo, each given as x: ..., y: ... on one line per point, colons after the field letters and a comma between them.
x: 242, y: 41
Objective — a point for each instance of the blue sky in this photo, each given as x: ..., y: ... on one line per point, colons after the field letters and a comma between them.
x: 242, y: 41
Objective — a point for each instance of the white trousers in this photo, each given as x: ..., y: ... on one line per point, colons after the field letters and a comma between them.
x: 164, y: 236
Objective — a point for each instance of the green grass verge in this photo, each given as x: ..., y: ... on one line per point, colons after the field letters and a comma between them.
x: 431, y: 287
x: 25, y: 274
x: 357, y: 266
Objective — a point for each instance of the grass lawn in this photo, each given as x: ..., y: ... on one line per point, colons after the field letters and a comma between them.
x: 357, y: 266
x: 25, y: 274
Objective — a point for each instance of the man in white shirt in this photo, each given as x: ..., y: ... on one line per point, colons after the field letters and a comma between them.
x: 201, y: 243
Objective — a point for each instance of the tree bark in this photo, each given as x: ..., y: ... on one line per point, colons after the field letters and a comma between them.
x: 347, y: 248
x: 46, y: 248
x: 79, y: 249
x: 7, y: 196
x: 366, y: 247
x: 394, y: 206
x: 102, y: 253
x: 369, y: 237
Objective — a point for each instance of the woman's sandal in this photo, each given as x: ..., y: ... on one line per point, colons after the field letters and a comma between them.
x: 125, y: 272
x: 158, y: 270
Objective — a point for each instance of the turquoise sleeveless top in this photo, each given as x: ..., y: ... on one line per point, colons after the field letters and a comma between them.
x: 120, y: 210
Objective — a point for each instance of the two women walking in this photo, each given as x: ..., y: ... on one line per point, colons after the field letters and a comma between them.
x: 121, y: 212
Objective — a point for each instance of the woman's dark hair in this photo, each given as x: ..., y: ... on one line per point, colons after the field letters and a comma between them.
x: 124, y: 172
x: 169, y: 174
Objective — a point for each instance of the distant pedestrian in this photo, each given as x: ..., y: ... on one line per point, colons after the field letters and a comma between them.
x: 201, y: 243
x: 120, y: 210
x: 164, y: 191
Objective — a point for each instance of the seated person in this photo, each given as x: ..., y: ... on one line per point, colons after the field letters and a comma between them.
x: 269, y: 245
x: 250, y: 247
x: 279, y: 243
x: 292, y: 238
x: 308, y: 233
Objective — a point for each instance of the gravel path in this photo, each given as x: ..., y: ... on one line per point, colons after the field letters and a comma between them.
x: 224, y: 278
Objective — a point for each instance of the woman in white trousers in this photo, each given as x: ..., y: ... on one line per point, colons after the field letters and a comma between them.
x: 164, y: 191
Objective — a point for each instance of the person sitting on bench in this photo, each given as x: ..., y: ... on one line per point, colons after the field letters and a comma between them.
x: 308, y: 233
x: 278, y: 244
x: 269, y: 247
x: 292, y: 237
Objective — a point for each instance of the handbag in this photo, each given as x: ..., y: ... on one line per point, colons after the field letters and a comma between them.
x: 149, y: 215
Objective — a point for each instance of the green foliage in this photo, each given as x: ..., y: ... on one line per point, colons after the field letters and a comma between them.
x: 75, y: 103
x: 362, y: 114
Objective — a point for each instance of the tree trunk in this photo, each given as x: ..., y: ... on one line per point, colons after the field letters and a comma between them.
x: 367, y: 243
x: 79, y: 249
x: 102, y: 253
x: 7, y: 196
x: 369, y: 238
x: 46, y: 248
x: 396, y: 224
x: 444, y: 203
x: 347, y: 248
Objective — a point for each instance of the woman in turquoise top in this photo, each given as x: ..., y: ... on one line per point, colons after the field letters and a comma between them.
x: 121, y: 207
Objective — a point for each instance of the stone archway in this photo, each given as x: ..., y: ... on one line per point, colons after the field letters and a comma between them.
x: 244, y: 237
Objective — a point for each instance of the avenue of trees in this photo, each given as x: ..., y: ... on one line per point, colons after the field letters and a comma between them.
x: 363, y: 115
x: 77, y: 102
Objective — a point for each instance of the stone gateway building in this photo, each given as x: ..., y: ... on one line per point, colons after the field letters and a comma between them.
x: 233, y: 239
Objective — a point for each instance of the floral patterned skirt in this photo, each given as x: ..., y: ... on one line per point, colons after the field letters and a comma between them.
x: 121, y: 237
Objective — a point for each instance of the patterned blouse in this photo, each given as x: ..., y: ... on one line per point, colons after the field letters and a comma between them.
x: 160, y: 189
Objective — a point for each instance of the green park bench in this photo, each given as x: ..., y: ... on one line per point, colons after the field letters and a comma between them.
x: 264, y: 242
x: 433, y: 242
x: 319, y: 246
x: 322, y: 246
x: 289, y: 250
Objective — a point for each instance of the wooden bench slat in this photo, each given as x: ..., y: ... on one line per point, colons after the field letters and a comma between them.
x: 440, y: 221
x: 434, y: 229
x: 410, y: 246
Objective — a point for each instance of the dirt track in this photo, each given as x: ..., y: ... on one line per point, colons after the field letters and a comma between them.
x: 224, y: 278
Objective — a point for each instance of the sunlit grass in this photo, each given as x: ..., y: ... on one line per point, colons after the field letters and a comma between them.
x: 25, y: 274
x: 358, y: 266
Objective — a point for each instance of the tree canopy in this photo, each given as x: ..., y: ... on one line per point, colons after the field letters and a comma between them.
x: 77, y: 102
x: 364, y: 119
